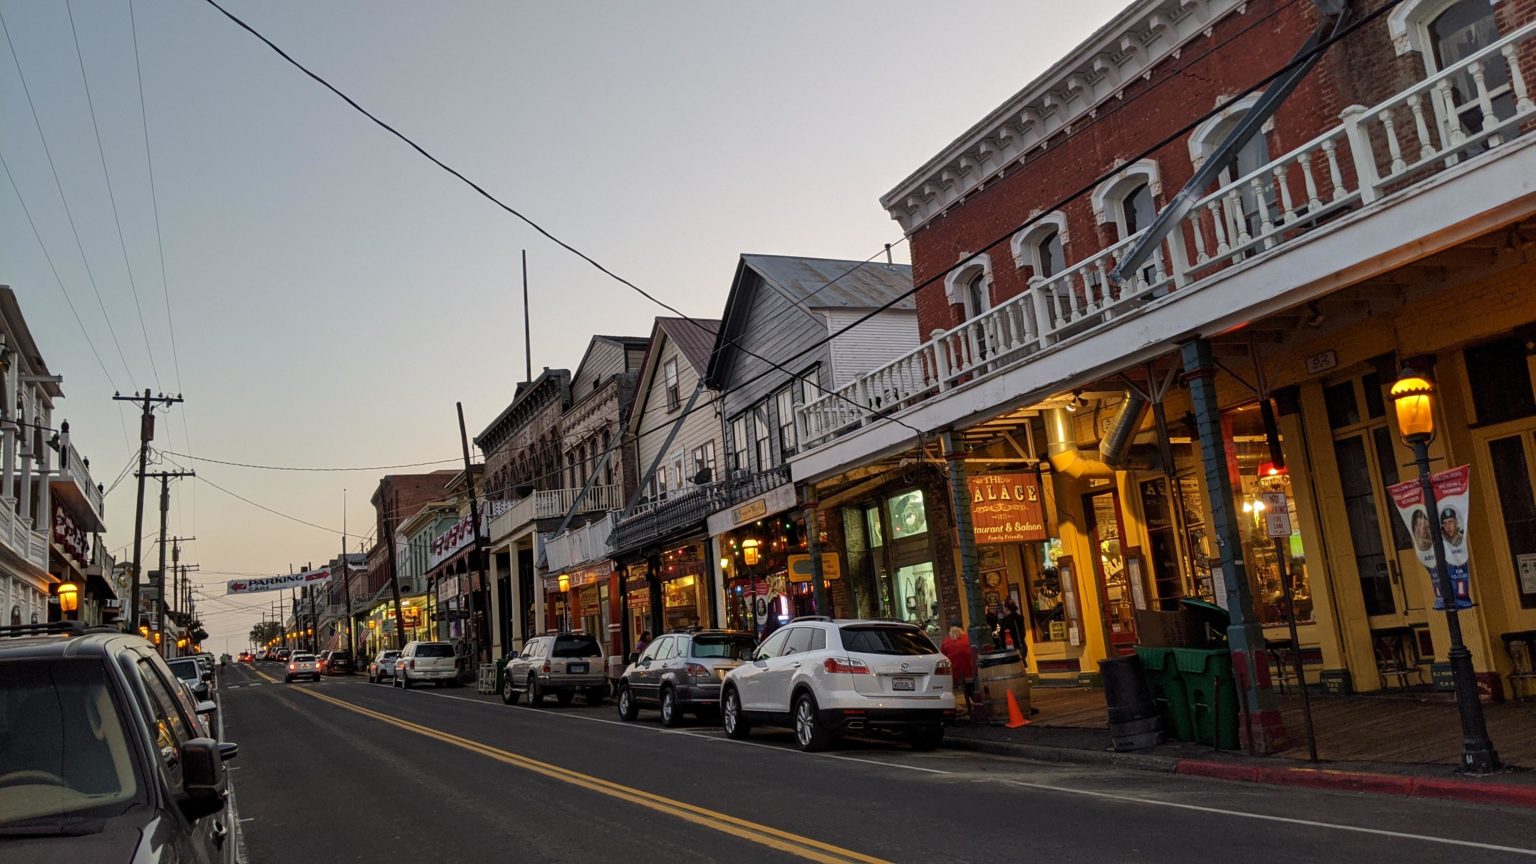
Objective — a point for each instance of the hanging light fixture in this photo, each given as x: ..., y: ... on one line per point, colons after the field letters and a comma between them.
x: 749, y: 550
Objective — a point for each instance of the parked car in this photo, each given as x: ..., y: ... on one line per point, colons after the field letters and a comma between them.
x: 190, y: 670
x: 282, y: 655
x: 383, y: 666
x: 261, y: 655
x: 338, y: 662
x: 302, y: 666
x: 823, y: 677
x: 420, y: 662
x: 682, y: 672
x: 563, y: 664
x: 102, y: 756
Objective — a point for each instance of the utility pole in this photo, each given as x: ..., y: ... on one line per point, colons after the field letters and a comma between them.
x: 165, y: 478
x: 178, y: 585
x: 346, y: 581
x: 394, y: 579
x: 482, y: 645
x: 527, y: 330
x: 146, y: 435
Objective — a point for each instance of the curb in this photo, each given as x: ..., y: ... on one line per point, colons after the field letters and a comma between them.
x: 1339, y: 780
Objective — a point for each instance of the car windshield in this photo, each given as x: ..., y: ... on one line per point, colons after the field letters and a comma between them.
x: 389, y: 655
x: 303, y: 658
x: 723, y: 647
x: 434, y: 649
x: 187, y: 669
x: 576, y: 646
x: 341, y: 655
x: 884, y: 639
x: 63, y: 746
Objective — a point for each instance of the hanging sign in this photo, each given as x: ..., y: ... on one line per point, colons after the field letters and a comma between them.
x: 1452, y: 491
x: 69, y: 536
x: 278, y: 583
x: 800, y: 567
x: 1006, y: 508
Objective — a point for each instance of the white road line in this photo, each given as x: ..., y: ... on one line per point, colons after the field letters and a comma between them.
x: 688, y: 733
x: 1381, y: 832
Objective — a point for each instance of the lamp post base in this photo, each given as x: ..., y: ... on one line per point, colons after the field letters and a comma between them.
x: 1477, y: 753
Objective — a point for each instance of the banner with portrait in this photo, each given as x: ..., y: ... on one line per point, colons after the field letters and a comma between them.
x: 1452, y: 493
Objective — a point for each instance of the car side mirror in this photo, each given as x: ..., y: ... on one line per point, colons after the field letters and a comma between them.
x: 228, y: 750
x: 206, y: 707
x: 202, y: 779
x: 632, y: 657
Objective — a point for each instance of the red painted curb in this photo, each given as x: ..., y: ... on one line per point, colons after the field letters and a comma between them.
x: 1450, y: 789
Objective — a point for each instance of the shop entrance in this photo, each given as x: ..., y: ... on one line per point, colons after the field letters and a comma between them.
x: 1120, y: 591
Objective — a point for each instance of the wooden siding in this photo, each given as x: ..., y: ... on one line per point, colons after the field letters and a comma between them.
x: 603, y: 360
x: 654, y: 420
x: 871, y: 344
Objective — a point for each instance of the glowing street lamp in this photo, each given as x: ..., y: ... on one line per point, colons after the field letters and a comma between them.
x: 1413, y: 401
x: 749, y: 550
x: 69, y: 598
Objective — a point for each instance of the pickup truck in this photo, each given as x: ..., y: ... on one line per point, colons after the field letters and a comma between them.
x: 421, y: 662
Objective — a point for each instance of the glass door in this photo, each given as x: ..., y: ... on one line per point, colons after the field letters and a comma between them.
x: 1115, y: 590
x: 1510, y: 459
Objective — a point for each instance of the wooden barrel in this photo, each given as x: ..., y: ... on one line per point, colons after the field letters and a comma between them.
x: 1000, y: 673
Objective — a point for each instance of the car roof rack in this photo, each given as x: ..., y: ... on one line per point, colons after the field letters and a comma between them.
x: 47, y: 628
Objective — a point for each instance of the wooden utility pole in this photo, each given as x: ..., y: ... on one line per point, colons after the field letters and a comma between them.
x: 346, y: 581
x: 527, y: 330
x: 483, y: 645
x: 165, y: 478
x: 394, y: 577
x: 146, y: 435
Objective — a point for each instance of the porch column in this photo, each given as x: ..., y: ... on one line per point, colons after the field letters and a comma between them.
x: 813, y: 546
x: 1261, y: 727
x: 718, y: 595
x: 540, y: 617
x: 653, y: 586
x: 493, y: 612
x: 960, y: 500
x: 518, y: 636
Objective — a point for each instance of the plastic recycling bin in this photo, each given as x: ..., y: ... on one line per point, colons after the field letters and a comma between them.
x: 1211, y: 694
x: 1168, y: 693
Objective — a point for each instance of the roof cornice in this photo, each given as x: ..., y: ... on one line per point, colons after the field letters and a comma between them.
x: 1127, y: 48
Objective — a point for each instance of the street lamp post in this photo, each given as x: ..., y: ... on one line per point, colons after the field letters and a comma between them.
x: 1413, y: 403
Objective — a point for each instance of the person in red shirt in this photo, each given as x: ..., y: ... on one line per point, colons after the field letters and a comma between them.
x: 957, y: 648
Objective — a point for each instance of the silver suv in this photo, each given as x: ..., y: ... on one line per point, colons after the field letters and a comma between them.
x: 562, y: 663
x: 682, y: 672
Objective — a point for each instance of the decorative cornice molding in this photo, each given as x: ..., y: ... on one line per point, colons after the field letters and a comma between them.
x: 1128, y: 47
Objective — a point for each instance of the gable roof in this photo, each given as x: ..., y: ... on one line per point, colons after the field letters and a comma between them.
x: 813, y: 283
x: 694, y: 338
x: 624, y: 342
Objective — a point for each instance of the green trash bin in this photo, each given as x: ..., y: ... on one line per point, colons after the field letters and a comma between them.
x: 1211, y: 694
x: 1162, y: 673
x: 501, y: 666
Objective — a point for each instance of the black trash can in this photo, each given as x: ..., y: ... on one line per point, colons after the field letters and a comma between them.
x: 1134, y: 721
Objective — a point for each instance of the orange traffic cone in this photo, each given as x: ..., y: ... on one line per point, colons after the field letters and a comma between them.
x: 1015, y: 716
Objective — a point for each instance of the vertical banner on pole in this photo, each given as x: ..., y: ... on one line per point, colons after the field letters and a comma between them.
x: 1452, y: 489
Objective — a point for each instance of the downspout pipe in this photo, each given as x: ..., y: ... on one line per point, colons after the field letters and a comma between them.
x: 1116, y: 445
x: 1061, y: 449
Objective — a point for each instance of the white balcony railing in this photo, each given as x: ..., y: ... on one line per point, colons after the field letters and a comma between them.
x: 1374, y: 152
x: 19, y: 536
x: 73, y: 467
x: 554, y: 503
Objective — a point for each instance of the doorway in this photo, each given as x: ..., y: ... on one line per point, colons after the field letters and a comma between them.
x: 1117, y: 594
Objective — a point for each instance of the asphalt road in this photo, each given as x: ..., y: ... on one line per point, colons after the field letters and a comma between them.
x: 342, y: 770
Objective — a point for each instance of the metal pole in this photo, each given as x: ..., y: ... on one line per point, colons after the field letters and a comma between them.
x: 1290, y: 620
x: 1477, y: 754
x: 527, y: 329
x: 165, y: 509
x: 146, y: 435
x: 482, y: 645
x: 813, y: 545
x: 960, y: 497
x: 394, y: 581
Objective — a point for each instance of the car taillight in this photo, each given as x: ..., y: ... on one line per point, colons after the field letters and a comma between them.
x: 941, y: 668
x: 546, y: 667
x: 413, y: 664
x: 696, y: 670
x: 845, y: 665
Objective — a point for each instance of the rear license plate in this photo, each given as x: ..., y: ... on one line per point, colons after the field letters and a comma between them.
x: 576, y: 668
x: 903, y: 682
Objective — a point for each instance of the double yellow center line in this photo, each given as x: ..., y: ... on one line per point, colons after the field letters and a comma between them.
x: 755, y: 832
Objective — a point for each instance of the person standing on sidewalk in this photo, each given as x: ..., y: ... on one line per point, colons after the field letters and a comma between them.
x: 1010, y: 629
x: 962, y: 664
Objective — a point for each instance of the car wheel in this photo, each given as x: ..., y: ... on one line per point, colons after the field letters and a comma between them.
x: 671, y: 715
x: 565, y: 697
x: 731, y: 717
x: 628, y: 710
x: 509, y: 693
x: 406, y: 682
x: 439, y: 684
x: 535, y: 698
x: 810, y: 735
x: 287, y: 679
x: 596, y: 695
x: 928, y: 738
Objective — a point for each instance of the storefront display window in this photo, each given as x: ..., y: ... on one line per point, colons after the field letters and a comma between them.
x: 908, y: 516
x: 1046, y: 600
x: 917, y: 600
x: 1256, y: 474
x: 1121, y: 597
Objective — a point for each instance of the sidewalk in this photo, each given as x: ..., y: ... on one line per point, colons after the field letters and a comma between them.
x: 1396, y: 744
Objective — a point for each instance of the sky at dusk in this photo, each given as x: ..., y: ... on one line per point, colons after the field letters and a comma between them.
x: 333, y: 293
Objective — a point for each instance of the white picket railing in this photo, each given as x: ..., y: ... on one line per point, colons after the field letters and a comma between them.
x: 1372, y: 153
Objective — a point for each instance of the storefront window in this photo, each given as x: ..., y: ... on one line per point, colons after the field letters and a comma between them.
x: 917, y: 599
x: 1047, y: 602
x: 1257, y: 475
x: 1512, y: 478
x: 908, y: 516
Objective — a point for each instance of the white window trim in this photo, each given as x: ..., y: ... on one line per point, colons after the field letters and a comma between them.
x: 1111, y: 191
x: 960, y: 277
x: 1209, y: 134
x: 1026, y: 243
x: 1408, y: 26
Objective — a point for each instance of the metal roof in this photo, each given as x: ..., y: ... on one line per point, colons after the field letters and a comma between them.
x: 695, y: 337
x: 830, y: 283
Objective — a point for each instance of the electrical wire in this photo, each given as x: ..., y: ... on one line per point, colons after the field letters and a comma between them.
x: 305, y: 468
x: 111, y: 196
x: 16, y: 58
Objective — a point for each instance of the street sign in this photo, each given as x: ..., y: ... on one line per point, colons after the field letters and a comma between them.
x: 1277, y: 515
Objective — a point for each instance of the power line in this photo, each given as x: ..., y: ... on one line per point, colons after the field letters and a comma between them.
x: 62, y: 197
x: 111, y: 196
x: 304, y: 468
x: 154, y: 197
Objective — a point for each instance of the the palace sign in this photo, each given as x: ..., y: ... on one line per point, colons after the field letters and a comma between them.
x: 1006, y: 508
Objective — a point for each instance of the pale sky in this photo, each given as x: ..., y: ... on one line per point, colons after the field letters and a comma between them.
x: 334, y: 293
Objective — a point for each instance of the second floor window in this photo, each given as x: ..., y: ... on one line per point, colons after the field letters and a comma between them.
x: 739, y: 443
x: 1136, y: 210
x: 704, y: 462
x: 661, y: 481
x: 669, y: 373
x: 1048, y: 255
x: 762, y: 441
x: 785, y: 404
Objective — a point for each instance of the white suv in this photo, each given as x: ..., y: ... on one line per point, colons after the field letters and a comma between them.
x: 824, y: 677
x: 420, y: 662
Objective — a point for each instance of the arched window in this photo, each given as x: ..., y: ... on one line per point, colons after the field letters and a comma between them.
x: 1136, y: 210
x: 970, y: 286
x: 1126, y: 200
x: 1040, y: 246
x: 977, y: 299
x: 1246, y: 217
x: 1445, y: 32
